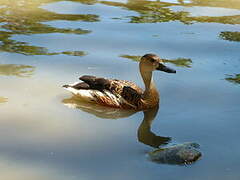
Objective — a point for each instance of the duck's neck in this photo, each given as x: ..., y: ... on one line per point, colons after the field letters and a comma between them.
x: 150, y: 89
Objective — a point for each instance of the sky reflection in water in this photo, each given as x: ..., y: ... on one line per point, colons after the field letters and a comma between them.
x: 47, y: 43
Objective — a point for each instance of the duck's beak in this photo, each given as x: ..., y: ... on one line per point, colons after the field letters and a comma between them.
x: 162, y: 67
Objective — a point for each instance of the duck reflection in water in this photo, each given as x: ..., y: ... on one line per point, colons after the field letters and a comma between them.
x: 179, y: 154
x: 144, y: 133
x: 96, y: 109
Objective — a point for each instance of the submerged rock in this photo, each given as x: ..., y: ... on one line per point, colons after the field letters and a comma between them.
x: 185, y: 153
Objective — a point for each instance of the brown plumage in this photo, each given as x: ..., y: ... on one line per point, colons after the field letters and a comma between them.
x: 121, y: 93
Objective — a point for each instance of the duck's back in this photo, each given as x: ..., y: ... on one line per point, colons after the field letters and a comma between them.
x: 107, y: 92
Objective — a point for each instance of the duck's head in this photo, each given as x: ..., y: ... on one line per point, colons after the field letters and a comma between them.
x: 151, y: 62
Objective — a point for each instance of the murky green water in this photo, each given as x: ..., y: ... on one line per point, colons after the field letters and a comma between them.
x: 46, y: 134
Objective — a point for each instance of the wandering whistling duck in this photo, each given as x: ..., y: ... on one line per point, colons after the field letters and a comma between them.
x: 120, y: 93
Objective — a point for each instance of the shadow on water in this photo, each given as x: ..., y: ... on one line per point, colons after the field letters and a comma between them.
x: 181, y: 62
x: 16, y: 70
x: 145, y: 135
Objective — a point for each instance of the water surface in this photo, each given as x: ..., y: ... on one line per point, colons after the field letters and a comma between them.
x: 46, y: 134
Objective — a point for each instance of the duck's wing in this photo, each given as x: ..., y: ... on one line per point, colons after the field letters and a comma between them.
x: 90, y: 82
x: 96, y: 83
x: 131, y: 95
x: 121, y: 87
x: 78, y: 86
x: 126, y: 89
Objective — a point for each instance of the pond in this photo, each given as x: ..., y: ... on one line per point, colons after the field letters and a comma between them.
x: 46, y: 134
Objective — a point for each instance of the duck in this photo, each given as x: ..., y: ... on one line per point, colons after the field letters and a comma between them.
x: 121, y: 93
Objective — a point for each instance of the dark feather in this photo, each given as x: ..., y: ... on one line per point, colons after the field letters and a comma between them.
x: 88, y: 79
x: 130, y: 94
x: 96, y: 83
x: 81, y: 85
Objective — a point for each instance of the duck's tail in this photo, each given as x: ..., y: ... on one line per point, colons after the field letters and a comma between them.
x: 104, y: 97
x: 81, y: 90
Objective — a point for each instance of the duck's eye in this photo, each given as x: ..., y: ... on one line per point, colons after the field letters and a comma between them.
x: 152, y: 60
